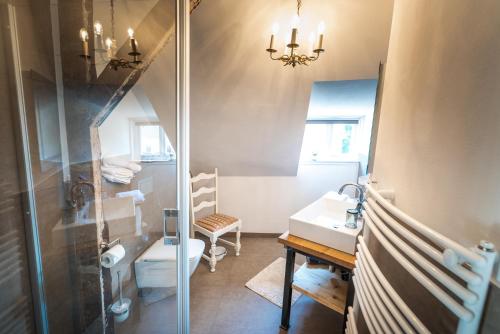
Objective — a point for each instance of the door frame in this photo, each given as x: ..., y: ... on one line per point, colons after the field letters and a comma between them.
x: 182, y: 23
x: 26, y: 177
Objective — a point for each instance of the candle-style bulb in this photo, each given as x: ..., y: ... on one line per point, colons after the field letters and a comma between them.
x: 275, y: 29
x: 109, y: 47
x: 295, y: 22
x: 321, y: 28
x: 321, y: 31
x: 133, y: 43
x: 109, y: 43
x: 84, y: 35
x: 311, y: 43
x: 286, y: 50
x: 98, y: 28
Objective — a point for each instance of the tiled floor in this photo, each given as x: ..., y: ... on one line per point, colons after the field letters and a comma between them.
x: 220, y: 302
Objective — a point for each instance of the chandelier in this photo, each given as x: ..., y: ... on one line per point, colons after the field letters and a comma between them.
x: 291, y: 54
x: 105, y: 49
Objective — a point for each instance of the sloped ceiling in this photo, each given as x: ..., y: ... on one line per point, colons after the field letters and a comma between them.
x: 342, y: 99
x: 248, y: 112
x: 157, y: 86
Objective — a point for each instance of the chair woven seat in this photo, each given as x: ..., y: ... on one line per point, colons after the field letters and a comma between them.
x: 216, y: 221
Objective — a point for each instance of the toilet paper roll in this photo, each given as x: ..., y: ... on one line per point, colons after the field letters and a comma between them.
x: 112, y: 256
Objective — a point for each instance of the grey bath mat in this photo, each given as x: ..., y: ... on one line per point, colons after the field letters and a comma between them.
x: 269, y: 283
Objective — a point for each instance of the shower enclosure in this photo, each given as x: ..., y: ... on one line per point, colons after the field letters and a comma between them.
x: 94, y: 132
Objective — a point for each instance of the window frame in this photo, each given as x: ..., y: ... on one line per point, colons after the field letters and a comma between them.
x: 334, y: 121
x: 135, y: 141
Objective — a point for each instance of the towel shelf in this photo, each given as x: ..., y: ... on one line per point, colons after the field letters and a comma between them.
x: 316, y: 282
x: 325, y: 287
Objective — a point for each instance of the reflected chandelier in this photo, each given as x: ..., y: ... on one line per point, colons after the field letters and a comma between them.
x: 106, y: 49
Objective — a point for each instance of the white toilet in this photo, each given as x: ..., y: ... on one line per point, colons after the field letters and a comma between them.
x: 156, y: 267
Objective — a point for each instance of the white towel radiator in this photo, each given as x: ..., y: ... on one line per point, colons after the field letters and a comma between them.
x: 383, y: 309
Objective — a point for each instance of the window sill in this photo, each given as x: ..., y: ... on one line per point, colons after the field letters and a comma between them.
x: 330, y: 162
x: 158, y: 162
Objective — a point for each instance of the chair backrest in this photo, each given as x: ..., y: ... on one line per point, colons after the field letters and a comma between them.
x: 196, y: 192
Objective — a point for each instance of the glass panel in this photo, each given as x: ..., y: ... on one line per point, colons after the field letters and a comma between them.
x: 96, y: 85
x: 16, y: 302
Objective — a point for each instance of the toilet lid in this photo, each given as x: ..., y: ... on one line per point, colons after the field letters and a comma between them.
x: 161, y: 252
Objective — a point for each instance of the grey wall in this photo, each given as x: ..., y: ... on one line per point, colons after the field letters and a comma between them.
x: 440, y: 123
x: 16, y: 304
x: 248, y: 112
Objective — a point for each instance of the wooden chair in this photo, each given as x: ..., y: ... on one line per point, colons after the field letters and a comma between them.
x: 213, y: 225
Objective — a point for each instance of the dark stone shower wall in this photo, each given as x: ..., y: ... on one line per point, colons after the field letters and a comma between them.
x: 16, y: 305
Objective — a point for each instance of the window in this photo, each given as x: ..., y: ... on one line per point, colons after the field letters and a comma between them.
x: 150, y: 142
x: 339, y: 121
x: 330, y: 140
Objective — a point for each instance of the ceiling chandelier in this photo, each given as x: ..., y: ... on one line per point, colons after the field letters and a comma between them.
x: 291, y: 54
x: 105, y: 49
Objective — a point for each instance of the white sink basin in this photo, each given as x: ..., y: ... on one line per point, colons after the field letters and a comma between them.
x: 323, y: 222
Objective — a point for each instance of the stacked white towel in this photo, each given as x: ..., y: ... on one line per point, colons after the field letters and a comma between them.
x: 118, y: 162
x: 119, y: 170
x: 136, y: 194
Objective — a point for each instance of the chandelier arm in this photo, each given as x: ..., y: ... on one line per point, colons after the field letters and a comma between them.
x: 112, y: 10
x: 271, y: 56
x: 313, y: 58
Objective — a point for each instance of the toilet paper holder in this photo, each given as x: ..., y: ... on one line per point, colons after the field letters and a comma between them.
x: 108, y: 245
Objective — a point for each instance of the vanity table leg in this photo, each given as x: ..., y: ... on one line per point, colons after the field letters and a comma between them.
x: 349, y: 300
x: 287, y: 292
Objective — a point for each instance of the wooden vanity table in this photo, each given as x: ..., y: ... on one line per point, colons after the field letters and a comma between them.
x: 313, y: 281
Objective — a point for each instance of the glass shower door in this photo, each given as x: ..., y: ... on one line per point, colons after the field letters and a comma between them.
x: 102, y: 126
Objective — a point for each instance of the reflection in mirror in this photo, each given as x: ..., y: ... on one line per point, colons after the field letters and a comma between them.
x: 138, y: 170
x: 133, y: 132
x: 47, y: 120
x: 112, y: 21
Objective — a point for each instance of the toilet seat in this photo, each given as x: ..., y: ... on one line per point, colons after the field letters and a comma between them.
x: 161, y: 252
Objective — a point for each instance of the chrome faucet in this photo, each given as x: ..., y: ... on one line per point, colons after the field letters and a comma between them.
x: 77, y: 193
x: 361, y: 196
